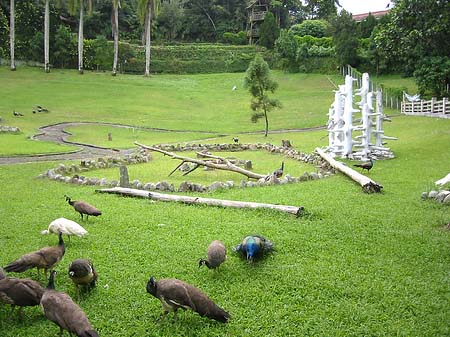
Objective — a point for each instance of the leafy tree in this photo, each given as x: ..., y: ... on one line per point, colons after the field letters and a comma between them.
x: 170, y: 20
x: 268, y: 31
x: 416, y: 29
x: 102, y: 57
x: 366, y: 26
x: 345, y: 40
x: 316, y: 28
x: 259, y: 82
x: 64, y: 47
x: 320, y: 9
x: 286, y: 47
x: 433, y: 74
x: 4, y: 33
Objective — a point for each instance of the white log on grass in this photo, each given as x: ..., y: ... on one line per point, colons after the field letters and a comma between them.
x: 297, y: 211
x: 367, y: 184
x: 227, y: 165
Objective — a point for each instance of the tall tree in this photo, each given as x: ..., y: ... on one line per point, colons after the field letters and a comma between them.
x: 345, y: 40
x: 12, y: 33
x: 259, y: 82
x: 115, y: 32
x: 47, y: 36
x: 147, y: 9
x: 80, y: 6
x: 268, y: 31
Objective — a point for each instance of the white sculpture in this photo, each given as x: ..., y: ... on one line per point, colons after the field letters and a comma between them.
x: 341, y: 138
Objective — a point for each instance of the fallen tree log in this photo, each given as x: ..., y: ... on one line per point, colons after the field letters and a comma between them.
x: 297, y: 211
x: 368, y: 185
x: 227, y: 165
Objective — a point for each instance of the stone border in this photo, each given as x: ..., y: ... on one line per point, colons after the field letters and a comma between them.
x: 442, y: 196
x: 60, y: 173
x: 9, y: 129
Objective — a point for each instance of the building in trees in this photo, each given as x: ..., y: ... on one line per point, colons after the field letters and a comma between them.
x: 256, y: 12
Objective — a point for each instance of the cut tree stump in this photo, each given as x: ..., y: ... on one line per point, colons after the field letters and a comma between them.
x: 368, y: 185
x: 297, y: 211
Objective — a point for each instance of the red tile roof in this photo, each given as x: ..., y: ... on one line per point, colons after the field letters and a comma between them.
x: 361, y: 17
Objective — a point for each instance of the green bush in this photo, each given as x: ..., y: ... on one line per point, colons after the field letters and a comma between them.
x: 309, y: 41
x: 316, y: 28
x: 239, y: 38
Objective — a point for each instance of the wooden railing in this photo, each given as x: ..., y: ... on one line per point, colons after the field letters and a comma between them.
x: 389, y: 101
x: 257, y: 16
x: 433, y: 108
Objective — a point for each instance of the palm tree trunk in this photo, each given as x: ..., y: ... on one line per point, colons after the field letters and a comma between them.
x: 80, y: 39
x: 46, y: 36
x: 11, y: 34
x: 115, y: 29
x: 148, y: 20
x: 267, y: 123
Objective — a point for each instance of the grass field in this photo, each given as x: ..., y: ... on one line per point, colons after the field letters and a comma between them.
x: 355, y: 265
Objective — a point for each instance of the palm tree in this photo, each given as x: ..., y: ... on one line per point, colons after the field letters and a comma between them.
x: 80, y: 5
x: 115, y: 31
x: 11, y: 33
x: 147, y: 9
x: 46, y: 36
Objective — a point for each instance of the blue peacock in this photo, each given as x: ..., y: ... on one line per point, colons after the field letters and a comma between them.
x: 254, y: 247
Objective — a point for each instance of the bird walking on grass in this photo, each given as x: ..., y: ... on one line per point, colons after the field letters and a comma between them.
x: 83, y: 208
x: 59, y: 308
x: 65, y: 226
x: 217, y: 254
x: 366, y: 165
x: 44, y: 258
x: 253, y: 247
x: 175, y: 294
x: 20, y: 292
x: 83, y: 273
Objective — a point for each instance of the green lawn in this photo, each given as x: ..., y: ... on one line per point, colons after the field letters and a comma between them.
x: 355, y: 265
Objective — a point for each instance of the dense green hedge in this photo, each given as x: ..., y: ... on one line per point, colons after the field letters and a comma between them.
x: 186, y: 58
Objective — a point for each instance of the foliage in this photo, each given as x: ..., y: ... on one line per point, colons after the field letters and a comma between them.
x: 64, y: 53
x: 170, y: 20
x: 366, y: 26
x: 309, y: 41
x: 316, y: 28
x: 433, y: 74
x: 259, y: 82
x: 416, y: 29
x: 344, y: 38
x: 103, y: 55
x: 286, y: 47
x: 268, y: 31
x: 4, y: 34
x: 239, y: 38
x: 320, y: 9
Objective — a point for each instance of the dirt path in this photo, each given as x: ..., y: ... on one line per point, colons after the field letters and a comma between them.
x: 56, y: 133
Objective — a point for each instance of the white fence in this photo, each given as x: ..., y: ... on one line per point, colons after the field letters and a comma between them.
x: 432, y: 108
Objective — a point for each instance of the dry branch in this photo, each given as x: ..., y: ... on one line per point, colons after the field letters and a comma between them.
x: 197, y: 200
x: 227, y: 165
x: 367, y: 184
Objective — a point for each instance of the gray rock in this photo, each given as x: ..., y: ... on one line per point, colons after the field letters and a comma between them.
x: 229, y: 183
x: 447, y: 199
x: 432, y: 194
x: 134, y: 183
x: 113, y: 183
x: 314, y: 176
x: 103, y: 182
x: 185, y: 187
x: 162, y: 186
x: 243, y: 183
x: 251, y: 184
x: 216, y: 185
x: 441, y: 195
x: 424, y: 195
x: 304, y: 177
